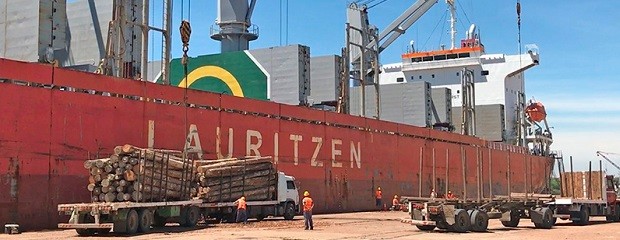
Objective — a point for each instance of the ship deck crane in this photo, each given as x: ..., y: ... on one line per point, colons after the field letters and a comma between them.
x: 364, y: 46
x: 402, y: 23
x: 602, y: 154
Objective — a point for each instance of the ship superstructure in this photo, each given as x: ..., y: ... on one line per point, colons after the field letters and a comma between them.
x: 499, y: 79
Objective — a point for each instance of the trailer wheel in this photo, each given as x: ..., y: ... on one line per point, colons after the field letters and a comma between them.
x: 145, y: 219
x: 584, y: 216
x: 547, y: 219
x: 86, y: 218
x: 515, y: 217
x: 230, y: 217
x: 442, y: 225
x: 85, y: 231
x: 479, y: 221
x: 289, y: 211
x: 159, y: 221
x: 260, y: 217
x: 462, y: 222
x: 191, y: 216
x: 132, y: 221
x: 425, y: 227
x: 102, y: 231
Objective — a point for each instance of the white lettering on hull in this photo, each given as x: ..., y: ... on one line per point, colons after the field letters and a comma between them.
x: 151, y: 135
x: 192, y: 136
x: 356, y: 155
x: 336, y: 152
x: 252, y: 148
x: 218, y: 143
x: 315, y: 154
x: 254, y: 141
x: 296, y: 139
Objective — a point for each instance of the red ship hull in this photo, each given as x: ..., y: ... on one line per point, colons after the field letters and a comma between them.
x: 52, y: 119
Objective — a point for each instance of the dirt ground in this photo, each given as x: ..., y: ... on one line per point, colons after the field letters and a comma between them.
x: 365, y: 225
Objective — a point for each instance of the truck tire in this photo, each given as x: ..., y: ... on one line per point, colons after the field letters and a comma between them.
x: 145, y: 219
x: 425, y: 227
x: 479, y: 221
x: 515, y: 217
x: 442, y: 225
x: 584, y: 216
x: 260, y: 217
x: 86, y: 218
x: 133, y: 221
x: 102, y: 231
x: 547, y: 219
x: 191, y: 216
x: 85, y: 231
x: 462, y: 222
x: 159, y: 221
x: 289, y: 211
x: 615, y: 216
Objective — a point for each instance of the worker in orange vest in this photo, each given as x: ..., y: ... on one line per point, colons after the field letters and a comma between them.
x: 450, y: 195
x: 308, y: 204
x: 241, y: 210
x: 378, y: 197
x: 395, y: 203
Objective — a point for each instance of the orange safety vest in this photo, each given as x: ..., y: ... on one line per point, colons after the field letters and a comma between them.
x: 395, y: 201
x: 308, y: 204
x: 241, y: 204
x: 450, y: 196
x: 378, y: 194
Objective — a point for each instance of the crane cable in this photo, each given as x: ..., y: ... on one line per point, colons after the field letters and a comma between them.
x: 376, y: 4
x: 519, y: 23
x: 185, y: 31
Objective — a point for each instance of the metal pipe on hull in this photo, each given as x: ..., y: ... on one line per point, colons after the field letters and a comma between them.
x: 421, y: 171
x: 145, y: 41
x: 434, y: 176
x: 447, y: 172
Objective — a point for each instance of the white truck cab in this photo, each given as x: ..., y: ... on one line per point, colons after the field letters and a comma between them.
x: 287, y: 191
x: 285, y: 203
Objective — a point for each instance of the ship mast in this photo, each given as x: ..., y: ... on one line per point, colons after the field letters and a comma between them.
x: 452, y: 22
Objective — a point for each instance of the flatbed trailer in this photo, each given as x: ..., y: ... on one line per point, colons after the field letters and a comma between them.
x: 473, y: 215
x: 585, y: 194
x: 580, y: 210
x: 582, y: 195
x: 128, y: 217
x: 132, y: 217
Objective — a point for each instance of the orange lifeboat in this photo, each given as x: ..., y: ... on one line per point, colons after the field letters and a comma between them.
x: 536, y: 112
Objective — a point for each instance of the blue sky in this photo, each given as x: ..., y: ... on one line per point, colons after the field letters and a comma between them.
x: 577, y: 79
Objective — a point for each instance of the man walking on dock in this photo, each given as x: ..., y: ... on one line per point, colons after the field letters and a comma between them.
x: 241, y: 210
x: 378, y: 197
x: 308, y: 205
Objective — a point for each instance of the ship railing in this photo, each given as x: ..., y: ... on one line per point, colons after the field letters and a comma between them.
x: 507, y: 147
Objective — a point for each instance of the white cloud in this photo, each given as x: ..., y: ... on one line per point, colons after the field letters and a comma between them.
x: 585, y: 120
x: 585, y: 104
x: 583, y: 146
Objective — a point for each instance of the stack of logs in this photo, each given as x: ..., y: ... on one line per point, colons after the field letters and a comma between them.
x: 227, y: 180
x: 141, y: 175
